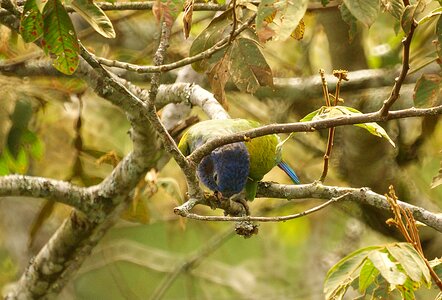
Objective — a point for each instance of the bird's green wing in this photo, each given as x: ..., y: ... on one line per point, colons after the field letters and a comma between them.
x: 264, y: 155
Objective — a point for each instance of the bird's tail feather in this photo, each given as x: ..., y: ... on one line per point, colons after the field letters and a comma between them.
x: 289, y: 171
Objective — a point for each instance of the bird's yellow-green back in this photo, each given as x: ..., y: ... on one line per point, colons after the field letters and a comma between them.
x: 263, y: 151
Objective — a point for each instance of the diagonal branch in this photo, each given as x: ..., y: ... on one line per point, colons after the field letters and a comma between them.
x: 401, y: 78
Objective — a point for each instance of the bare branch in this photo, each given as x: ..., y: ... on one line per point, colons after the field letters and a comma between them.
x: 359, y: 195
x: 400, y: 80
x: 50, y: 189
x: 262, y: 219
x: 223, y: 43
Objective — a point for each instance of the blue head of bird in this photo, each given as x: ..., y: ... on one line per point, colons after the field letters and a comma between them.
x: 225, y: 169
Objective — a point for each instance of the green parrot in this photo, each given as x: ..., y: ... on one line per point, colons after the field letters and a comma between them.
x: 231, y: 168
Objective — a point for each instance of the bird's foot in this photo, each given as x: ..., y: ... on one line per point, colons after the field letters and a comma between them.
x: 239, y: 198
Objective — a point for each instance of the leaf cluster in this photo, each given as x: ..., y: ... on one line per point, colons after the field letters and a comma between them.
x: 376, y: 271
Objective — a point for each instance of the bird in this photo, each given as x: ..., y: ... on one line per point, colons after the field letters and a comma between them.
x: 232, y: 168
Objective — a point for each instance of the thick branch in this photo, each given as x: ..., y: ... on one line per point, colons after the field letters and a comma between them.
x: 55, y: 264
x: 55, y: 190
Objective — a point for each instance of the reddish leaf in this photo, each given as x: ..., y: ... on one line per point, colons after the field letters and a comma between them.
x: 218, y: 77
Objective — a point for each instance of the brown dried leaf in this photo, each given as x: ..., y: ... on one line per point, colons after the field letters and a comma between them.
x: 218, y: 77
x: 265, y: 34
x: 166, y: 10
x: 187, y: 17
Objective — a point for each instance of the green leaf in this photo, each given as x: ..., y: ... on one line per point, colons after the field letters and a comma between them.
x: 336, y: 111
x: 407, y: 261
x: 365, y: 11
x: 248, y: 68
x: 419, y: 263
x: 279, y: 18
x: 394, y: 8
x: 387, y: 268
x: 409, y: 15
x: 59, y: 37
x: 351, y: 21
x: 218, y: 28
x: 94, y: 16
x: 311, y: 115
x: 407, y: 289
x: 31, y: 23
x: 367, y: 276
x: 381, y: 290
x: 435, y: 12
x: 292, y: 13
x: 426, y: 91
x: 341, y: 275
x: 325, y: 2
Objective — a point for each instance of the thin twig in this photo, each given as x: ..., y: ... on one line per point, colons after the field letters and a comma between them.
x: 405, y: 67
x: 341, y: 75
x: 234, y: 22
x: 324, y: 88
x: 223, y: 43
x: 331, y: 131
x: 264, y: 219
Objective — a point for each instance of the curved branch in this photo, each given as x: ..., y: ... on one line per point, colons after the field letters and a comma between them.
x: 189, y: 215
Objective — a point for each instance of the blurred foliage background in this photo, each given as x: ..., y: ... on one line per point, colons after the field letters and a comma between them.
x: 53, y: 126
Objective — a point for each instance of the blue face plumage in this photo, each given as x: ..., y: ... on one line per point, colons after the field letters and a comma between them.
x: 226, y: 169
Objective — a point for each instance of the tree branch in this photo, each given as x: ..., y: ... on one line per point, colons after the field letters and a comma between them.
x: 185, y: 213
x: 223, y: 43
x: 212, y: 144
x: 359, y: 195
x: 55, y: 190
x: 405, y: 67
